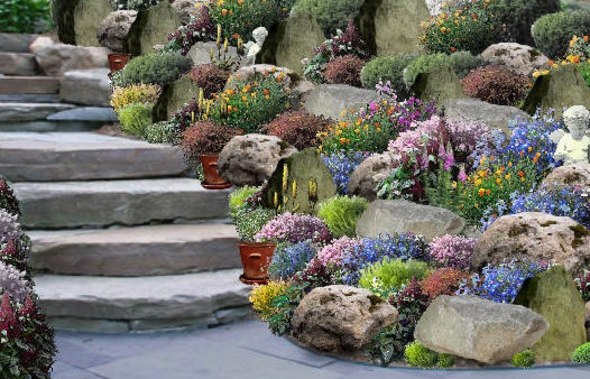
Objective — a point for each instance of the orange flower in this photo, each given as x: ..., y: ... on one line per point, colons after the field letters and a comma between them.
x: 481, y: 192
x: 453, y: 49
x: 240, y: 2
x: 266, y: 92
x: 521, y: 174
x: 586, y: 39
x: 224, y: 12
x: 235, y: 36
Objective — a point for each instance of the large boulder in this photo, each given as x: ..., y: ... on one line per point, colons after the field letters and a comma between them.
x: 54, y: 59
x: 247, y: 73
x: 440, y: 84
x: 535, y: 236
x: 185, y: 9
x: 478, y: 329
x: 151, y: 29
x: 77, y: 20
x: 376, y: 18
x: 291, y: 41
x: 575, y: 175
x: 402, y: 216
x: 87, y: 87
x: 252, y: 159
x: 113, y: 31
x: 519, y: 58
x: 560, y: 89
x: 200, y: 53
x: 329, y: 100
x: 553, y: 295
x: 174, y: 96
x: 340, y: 318
x: 367, y: 176
x: 474, y: 110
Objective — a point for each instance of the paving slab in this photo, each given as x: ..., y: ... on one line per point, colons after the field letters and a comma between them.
x: 89, y: 87
x: 50, y: 126
x: 29, y: 84
x: 102, y: 114
x: 71, y: 156
x: 18, y: 64
x: 62, y: 205
x: 28, y: 98
x: 19, y: 112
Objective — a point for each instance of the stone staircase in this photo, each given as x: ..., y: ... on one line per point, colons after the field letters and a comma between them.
x: 122, y: 239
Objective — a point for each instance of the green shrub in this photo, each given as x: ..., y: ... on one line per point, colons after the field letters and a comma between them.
x: 136, y: 118
x: 24, y: 16
x: 250, y: 221
x: 461, y: 62
x: 553, y: 32
x: 330, y: 14
x: 582, y: 354
x: 418, y: 355
x: 519, y: 15
x: 524, y: 359
x: 238, y: 198
x: 158, y: 69
x: 241, y: 17
x: 341, y: 214
x: 446, y: 360
x: 387, y: 68
x: 162, y: 132
x: 391, y: 275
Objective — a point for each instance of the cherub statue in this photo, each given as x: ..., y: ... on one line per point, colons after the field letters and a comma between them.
x: 573, y: 147
x: 254, y: 48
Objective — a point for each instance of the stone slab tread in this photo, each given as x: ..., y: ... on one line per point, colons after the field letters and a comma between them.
x: 29, y: 85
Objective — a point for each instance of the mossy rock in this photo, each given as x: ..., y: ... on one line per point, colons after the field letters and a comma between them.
x: 560, y: 89
x: 392, y: 26
x: 291, y: 41
x: 554, y: 296
x: 77, y: 20
x: 302, y: 168
x: 152, y: 28
x: 440, y: 84
x: 174, y: 97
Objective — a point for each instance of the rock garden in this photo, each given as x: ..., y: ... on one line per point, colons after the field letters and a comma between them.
x: 410, y: 180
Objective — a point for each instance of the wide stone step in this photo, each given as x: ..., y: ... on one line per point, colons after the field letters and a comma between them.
x: 38, y: 157
x: 29, y: 84
x: 144, y: 303
x: 21, y: 112
x: 18, y: 64
x: 59, y: 205
x: 16, y: 43
x: 138, y: 251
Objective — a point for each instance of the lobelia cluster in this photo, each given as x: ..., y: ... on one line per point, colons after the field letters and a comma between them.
x: 452, y: 251
x: 342, y: 165
x: 294, y: 228
x: 290, y: 259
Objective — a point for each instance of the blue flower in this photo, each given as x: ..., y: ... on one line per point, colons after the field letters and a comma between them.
x: 290, y: 259
x: 342, y: 165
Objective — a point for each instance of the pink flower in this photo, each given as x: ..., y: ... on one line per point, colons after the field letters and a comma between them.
x: 294, y: 228
x: 334, y: 252
x: 452, y: 251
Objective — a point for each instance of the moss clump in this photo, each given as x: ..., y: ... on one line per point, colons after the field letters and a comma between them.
x: 524, y: 359
x: 341, y: 214
x: 582, y: 354
x: 158, y: 69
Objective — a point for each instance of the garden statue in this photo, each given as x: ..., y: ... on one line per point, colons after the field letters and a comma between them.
x: 573, y: 147
x: 254, y: 48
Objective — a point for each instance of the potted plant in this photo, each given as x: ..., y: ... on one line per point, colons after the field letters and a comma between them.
x: 201, y: 144
x: 249, y: 217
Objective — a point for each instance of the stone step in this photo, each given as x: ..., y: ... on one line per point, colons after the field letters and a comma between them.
x: 39, y: 157
x: 29, y: 98
x: 50, y: 126
x: 18, y: 64
x: 21, y: 112
x: 137, y: 251
x: 60, y: 205
x: 16, y: 43
x: 29, y: 84
x: 117, y: 305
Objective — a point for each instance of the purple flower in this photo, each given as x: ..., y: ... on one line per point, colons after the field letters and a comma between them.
x: 294, y: 228
x: 452, y: 251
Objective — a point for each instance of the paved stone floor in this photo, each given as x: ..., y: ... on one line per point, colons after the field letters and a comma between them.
x: 245, y: 350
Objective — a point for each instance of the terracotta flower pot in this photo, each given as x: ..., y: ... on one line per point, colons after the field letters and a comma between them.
x: 256, y: 258
x: 213, y: 180
x: 118, y: 61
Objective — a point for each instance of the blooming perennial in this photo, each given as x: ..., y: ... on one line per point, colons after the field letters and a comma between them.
x: 294, y: 228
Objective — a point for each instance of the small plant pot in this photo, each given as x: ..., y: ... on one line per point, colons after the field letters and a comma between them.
x: 118, y: 61
x: 256, y: 258
x: 213, y: 180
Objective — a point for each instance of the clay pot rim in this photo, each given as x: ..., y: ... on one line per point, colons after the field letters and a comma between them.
x: 257, y: 244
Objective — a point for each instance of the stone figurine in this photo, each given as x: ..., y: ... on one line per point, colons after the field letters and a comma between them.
x: 253, y: 48
x: 573, y: 147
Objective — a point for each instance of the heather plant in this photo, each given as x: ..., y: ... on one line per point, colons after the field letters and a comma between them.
x: 205, y: 138
x: 8, y: 202
x: 294, y: 228
x: 418, y: 355
x: 524, y: 359
x: 10, y: 229
x: 289, y: 259
x: 344, y: 70
x: 298, y: 128
x: 199, y: 28
x: 160, y: 69
x: 135, y: 93
x: 261, y: 298
x: 135, y: 118
x: 389, y: 276
x: 583, y: 284
x: 452, y: 251
x: 333, y: 253
x: 496, y: 85
x: 13, y: 282
x: 388, y: 68
x: 443, y: 281
x: 342, y: 165
x: 552, y: 32
x: 210, y: 78
x: 330, y: 14
x: 341, y: 214
x: 238, y: 18
x: 16, y: 252
x: 462, y: 62
x: 582, y: 354
x: 250, y: 222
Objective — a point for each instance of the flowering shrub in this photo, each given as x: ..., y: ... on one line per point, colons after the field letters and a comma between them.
x: 135, y: 93
x: 452, y: 251
x: 8, y: 201
x: 200, y: 28
x: 206, y: 138
x: 290, y: 259
x: 299, y: 128
x: 294, y: 228
x: 344, y: 70
x: 389, y: 276
x: 13, y: 283
x: 9, y: 227
x: 210, y: 78
x: 261, y: 297
x: 238, y: 18
x: 501, y: 283
x: 496, y: 85
x: 444, y: 281
x: 16, y: 252
x: 249, y: 221
x: 334, y: 253
x: 342, y: 165
x: 552, y: 32
x: 341, y: 214
x: 583, y: 283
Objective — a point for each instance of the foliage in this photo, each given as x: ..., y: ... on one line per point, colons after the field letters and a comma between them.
x: 8, y: 201
x: 342, y: 165
x: 344, y: 70
x: 496, y: 85
x: 341, y: 214
x: 210, y: 78
x: 452, y: 251
x: 162, y: 132
x: 418, y: 355
x: 238, y: 198
x: 583, y: 284
x: 238, y: 18
x: 16, y: 251
x: 284, y: 306
x: 298, y: 128
x: 289, y: 259
x: 294, y: 228
x: 24, y: 16
x: 524, y: 359
x: 462, y: 62
x: 444, y: 281
x: 469, y: 27
x: 578, y: 49
x: 445, y: 360
x: 250, y: 221
x: 552, y: 32
x: 389, y: 276
x: 389, y: 68
x: 158, y: 69
x: 582, y: 354
x: 205, y: 138
x: 330, y: 14
x: 135, y: 93
x: 501, y: 283
x: 135, y: 118
x: 199, y: 28
x: 262, y: 297
x: 251, y: 105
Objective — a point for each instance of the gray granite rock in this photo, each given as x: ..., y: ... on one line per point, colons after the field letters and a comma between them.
x: 87, y: 87
x: 113, y: 31
x: 329, y: 100
x: 519, y: 58
x: 18, y: 64
x: 18, y: 112
x: 367, y: 176
x: 99, y: 114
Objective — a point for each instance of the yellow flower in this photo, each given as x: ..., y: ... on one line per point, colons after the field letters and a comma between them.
x: 498, y: 181
x: 481, y: 192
